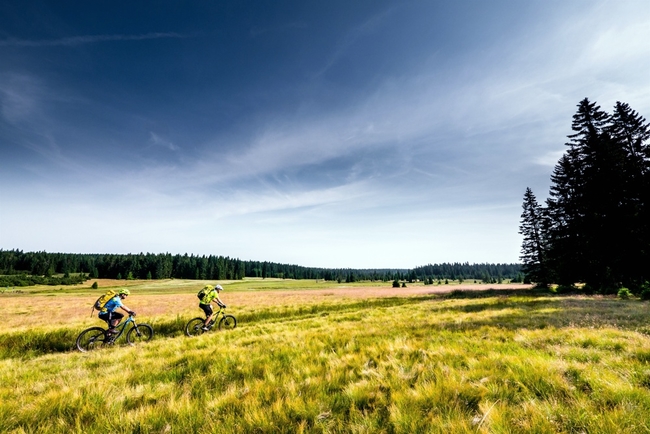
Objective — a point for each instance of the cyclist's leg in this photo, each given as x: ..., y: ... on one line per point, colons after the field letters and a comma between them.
x: 106, y: 316
x: 116, y: 317
x: 111, y: 332
x: 207, y: 309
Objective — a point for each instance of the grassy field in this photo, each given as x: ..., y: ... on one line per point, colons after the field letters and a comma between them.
x: 312, y: 356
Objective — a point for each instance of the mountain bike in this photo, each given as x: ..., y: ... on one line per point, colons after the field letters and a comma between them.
x: 195, y: 326
x: 97, y: 337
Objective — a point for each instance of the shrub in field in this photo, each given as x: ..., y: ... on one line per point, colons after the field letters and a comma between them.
x: 395, y: 283
x: 645, y: 291
x: 94, y: 285
x: 624, y: 293
x: 565, y: 289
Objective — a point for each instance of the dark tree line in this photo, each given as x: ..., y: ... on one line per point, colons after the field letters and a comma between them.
x: 594, y: 226
x: 29, y: 280
x: 489, y: 273
x: 164, y: 266
x: 130, y: 266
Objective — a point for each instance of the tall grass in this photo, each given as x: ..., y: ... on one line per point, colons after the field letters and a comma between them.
x: 449, y: 364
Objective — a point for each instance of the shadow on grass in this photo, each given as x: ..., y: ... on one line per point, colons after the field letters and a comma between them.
x: 557, y: 313
x: 34, y: 343
x: 489, y: 293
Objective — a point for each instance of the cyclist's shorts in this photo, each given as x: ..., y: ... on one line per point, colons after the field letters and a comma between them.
x: 207, y: 308
x: 108, y: 316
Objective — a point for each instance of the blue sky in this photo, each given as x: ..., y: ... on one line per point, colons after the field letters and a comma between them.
x: 363, y: 134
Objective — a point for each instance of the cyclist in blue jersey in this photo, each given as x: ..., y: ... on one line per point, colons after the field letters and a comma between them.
x: 109, y: 313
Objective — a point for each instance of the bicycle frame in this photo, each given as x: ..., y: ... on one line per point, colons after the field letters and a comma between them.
x: 215, y: 316
x: 95, y: 337
x: 195, y: 326
x: 122, y: 327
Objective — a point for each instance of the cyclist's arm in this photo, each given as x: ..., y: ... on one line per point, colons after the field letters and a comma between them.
x: 127, y: 310
x: 219, y: 302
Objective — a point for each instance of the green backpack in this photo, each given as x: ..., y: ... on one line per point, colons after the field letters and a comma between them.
x: 203, y: 292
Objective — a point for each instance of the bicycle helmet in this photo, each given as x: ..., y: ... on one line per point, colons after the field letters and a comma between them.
x: 219, y: 287
x: 124, y: 291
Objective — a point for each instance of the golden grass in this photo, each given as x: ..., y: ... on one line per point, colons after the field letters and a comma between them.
x: 57, y: 306
x: 331, y: 361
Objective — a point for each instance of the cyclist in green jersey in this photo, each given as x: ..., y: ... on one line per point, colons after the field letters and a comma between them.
x: 211, y: 295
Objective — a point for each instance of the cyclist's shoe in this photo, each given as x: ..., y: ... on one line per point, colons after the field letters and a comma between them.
x: 205, y: 328
x: 111, y: 332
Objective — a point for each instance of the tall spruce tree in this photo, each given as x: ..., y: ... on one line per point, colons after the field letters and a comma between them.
x: 632, y: 132
x: 533, y: 249
x: 565, y: 241
x: 579, y: 194
x: 597, y: 210
x: 603, y: 180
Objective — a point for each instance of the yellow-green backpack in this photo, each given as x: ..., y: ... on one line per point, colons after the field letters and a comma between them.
x: 101, y: 301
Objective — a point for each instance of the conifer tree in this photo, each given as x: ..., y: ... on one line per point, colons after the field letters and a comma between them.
x: 597, y: 211
x: 564, y: 240
x: 533, y: 250
x: 632, y: 132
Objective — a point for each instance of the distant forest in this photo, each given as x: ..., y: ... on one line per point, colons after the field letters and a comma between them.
x: 595, y: 225
x: 16, y: 266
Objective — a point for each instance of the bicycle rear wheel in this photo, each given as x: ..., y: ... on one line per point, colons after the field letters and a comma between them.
x: 91, y: 339
x: 194, y: 327
x: 228, y: 322
x: 141, y: 333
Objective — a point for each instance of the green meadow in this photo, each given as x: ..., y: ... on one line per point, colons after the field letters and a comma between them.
x: 321, y: 357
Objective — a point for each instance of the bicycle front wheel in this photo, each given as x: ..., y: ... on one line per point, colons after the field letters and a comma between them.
x: 194, y: 327
x: 91, y: 339
x: 139, y: 333
x: 228, y: 322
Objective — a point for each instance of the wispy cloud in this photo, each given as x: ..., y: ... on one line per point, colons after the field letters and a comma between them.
x: 17, y: 98
x: 520, y: 109
x: 86, y: 39
x: 159, y: 141
x: 366, y: 28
